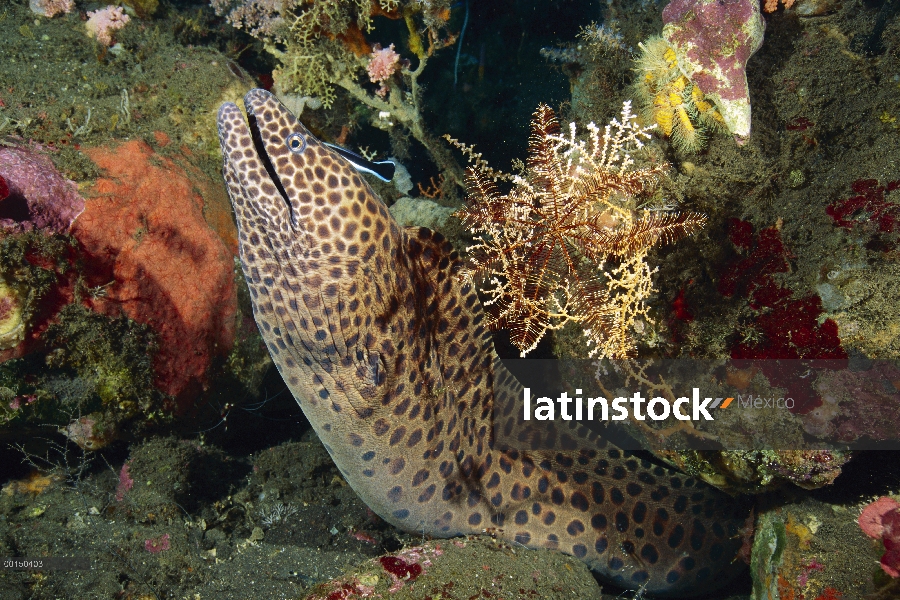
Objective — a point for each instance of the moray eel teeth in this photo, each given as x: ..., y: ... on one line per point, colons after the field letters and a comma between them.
x: 387, y: 353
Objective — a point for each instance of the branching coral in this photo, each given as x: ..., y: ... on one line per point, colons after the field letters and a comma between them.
x: 321, y: 45
x: 568, y: 242
x: 102, y: 23
x: 51, y: 8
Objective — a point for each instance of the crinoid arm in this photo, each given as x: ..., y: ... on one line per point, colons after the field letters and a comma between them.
x: 651, y: 229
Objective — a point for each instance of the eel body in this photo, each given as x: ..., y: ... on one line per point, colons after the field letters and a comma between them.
x: 387, y: 353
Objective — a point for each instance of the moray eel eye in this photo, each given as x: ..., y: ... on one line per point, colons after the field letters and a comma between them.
x: 296, y: 143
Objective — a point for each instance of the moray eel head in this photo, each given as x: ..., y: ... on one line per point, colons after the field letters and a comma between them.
x: 283, y: 169
x: 315, y: 244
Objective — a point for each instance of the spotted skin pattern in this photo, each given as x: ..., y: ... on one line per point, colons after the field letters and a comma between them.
x: 388, y: 355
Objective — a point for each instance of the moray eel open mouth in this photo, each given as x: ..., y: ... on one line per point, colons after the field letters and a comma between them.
x: 387, y: 353
x: 264, y: 158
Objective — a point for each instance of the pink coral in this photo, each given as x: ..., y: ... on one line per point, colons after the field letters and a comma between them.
x: 383, y: 63
x: 38, y: 197
x: 881, y: 520
x: 713, y: 40
x: 871, y: 519
x: 157, y: 545
x: 51, y: 8
x: 125, y: 482
x: 261, y: 18
x: 103, y: 22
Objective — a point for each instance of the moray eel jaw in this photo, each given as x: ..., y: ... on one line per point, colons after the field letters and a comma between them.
x: 387, y: 353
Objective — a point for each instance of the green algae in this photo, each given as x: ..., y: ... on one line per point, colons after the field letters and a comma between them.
x: 32, y: 264
x: 89, y: 94
x: 144, y: 9
x: 766, y: 555
x: 754, y: 471
x: 96, y: 378
x: 115, y: 354
x: 94, y: 367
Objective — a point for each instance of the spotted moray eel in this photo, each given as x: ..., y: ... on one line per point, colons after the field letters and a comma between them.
x: 387, y: 353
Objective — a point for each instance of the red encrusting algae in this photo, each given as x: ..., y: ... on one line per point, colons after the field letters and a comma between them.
x: 680, y: 308
x: 830, y: 593
x: 784, y: 327
x: 768, y: 256
x: 399, y: 568
x: 868, y: 206
x: 799, y: 124
x: 157, y: 545
x: 402, y: 567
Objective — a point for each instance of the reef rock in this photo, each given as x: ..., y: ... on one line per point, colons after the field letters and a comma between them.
x: 713, y: 40
x: 419, y: 212
x: 36, y: 196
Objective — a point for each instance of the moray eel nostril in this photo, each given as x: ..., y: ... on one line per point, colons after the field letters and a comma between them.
x: 387, y: 353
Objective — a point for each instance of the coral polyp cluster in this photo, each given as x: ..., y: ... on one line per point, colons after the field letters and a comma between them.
x: 12, y: 324
x: 669, y: 99
x: 692, y: 80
